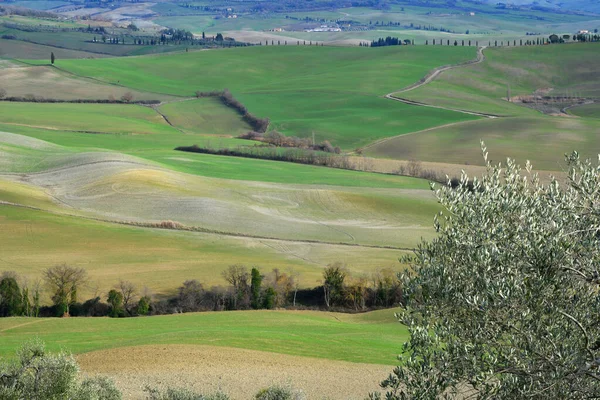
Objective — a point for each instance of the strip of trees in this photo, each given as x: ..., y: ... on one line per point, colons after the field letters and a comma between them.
x: 246, y: 288
x: 258, y: 124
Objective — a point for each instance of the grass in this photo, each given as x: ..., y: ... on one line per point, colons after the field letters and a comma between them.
x: 158, y: 259
x: 48, y: 82
x: 158, y: 148
x: 541, y: 139
x: 525, y: 133
x: 368, y: 338
x: 335, y: 92
x: 482, y: 87
x: 97, y: 118
x: 26, y: 50
x: 207, y: 115
x: 586, y: 111
x: 274, y: 69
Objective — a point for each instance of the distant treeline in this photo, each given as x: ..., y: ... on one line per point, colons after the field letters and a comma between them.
x: 245, y: 289
x: 37, y: 99
x: 390, y: 41
x: 278, y: 139
x: 258, y: 124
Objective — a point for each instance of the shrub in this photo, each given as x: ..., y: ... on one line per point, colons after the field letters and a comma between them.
x: 127, y: 97
x: 181, y: 394
x: 42, y: 376
x: 2, y: 93
x: 505, y: 301
x: 277, y: 392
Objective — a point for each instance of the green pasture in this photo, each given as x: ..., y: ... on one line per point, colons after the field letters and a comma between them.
x: 306, y: 204
x: 159, y: 148
x: 345, y: 119
x: 207, y: 115
x: 94, y: 118
x: 587, y: 111
x: 564, y: 68
x: 375, y: 337
x: 541, y: 139
x: 334, y: 92
x: 274, y: 69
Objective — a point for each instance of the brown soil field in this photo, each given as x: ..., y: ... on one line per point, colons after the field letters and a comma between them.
x: 237, y: 372
x: 48, y: 82
x: 32, y: 51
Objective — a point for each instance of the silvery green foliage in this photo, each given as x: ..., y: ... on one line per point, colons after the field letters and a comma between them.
x: 505, y: 303
x: 39, y: 375
x: 279, y: 392
x: 181, y: 394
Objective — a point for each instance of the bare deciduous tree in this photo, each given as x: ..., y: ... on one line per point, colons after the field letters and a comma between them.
x: 127, y: 97
x: 129, y: 293
x: 64, y: 281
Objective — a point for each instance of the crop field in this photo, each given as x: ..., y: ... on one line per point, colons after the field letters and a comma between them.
x: 334, y: 336
x: 483, y: 87
x: 44, y: 81
x: 163, y: 259
x: 588, y: 111
x: 22, y: 50
x: 488, y: 23
x: 282, y: 342
x: 520, y: 132
x: 207, y: 115
x: 339, y: 99
x: 236, y: 372
x: 94, y: 118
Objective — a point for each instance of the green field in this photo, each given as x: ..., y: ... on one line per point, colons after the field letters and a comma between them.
x: 162, y: 260
x: 482, y: 87
x: 523, y: 133
x: 93, y: 118
x: 374, y: 337
x: 587, y: 111
x: 333, y: 92
x: 206, y: 115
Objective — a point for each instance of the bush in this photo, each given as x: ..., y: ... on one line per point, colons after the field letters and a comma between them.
x: 181, y: 394
x: 277, y: 392
x: 504, y: 301
x: 42, y: 376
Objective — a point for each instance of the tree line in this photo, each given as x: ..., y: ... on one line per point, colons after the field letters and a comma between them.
x: 258, y: 124
x: 389, y: 41
x: 246, y: 288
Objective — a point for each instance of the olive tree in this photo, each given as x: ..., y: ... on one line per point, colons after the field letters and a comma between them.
x: 37, y: 374
x: 505, y: 302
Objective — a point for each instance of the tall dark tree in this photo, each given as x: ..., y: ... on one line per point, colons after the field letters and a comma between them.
x: 255, y: 288
x: 52, y: 58
x: 10, y: 297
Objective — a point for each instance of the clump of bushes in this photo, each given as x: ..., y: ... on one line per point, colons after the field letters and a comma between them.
x: 36, y: 374
x: 277, y: 392
x: 181, y: 394
x: 278, y: 139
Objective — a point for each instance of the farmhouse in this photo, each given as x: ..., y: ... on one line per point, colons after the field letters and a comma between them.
x: 583, y: 32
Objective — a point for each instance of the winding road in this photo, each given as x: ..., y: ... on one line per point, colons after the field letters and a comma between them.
x: 430, y: 77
